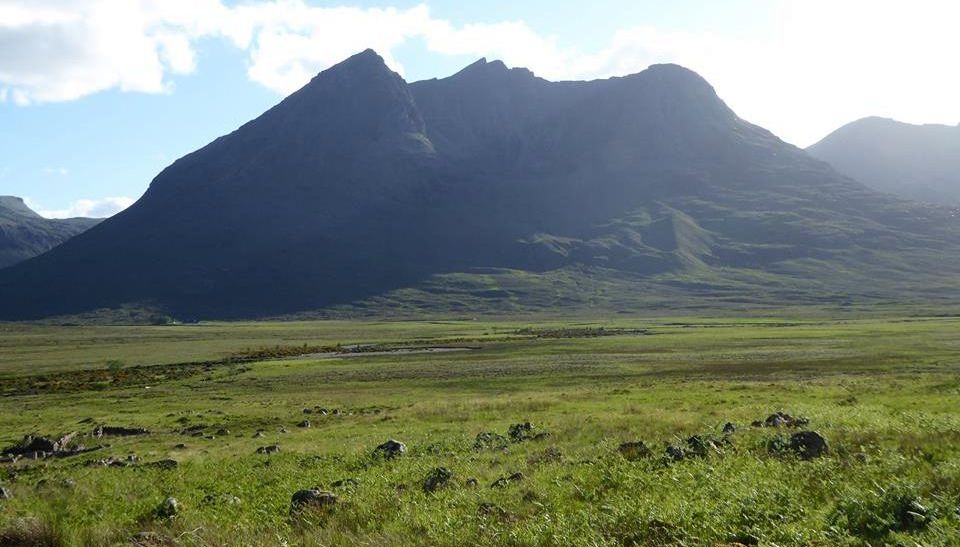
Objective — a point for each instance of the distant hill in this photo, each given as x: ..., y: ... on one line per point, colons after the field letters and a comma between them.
x: 494, y: 190
x: 25, y: 234
x: 913, y: 161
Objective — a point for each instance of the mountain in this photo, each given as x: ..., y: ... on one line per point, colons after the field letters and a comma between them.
x: 494, y: 190
x: 919, y: 162
x: 25, y: 234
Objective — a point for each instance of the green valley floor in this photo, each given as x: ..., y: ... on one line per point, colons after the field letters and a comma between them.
x: 202, y: 434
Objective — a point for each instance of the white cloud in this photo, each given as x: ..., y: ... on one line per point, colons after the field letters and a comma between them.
x: 62, y: 171
x: 819, y: 63
x: 93, y: 208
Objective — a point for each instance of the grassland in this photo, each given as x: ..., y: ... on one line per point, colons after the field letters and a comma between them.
x: 883, y: 391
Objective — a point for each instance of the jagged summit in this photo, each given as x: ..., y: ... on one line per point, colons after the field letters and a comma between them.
x: 492, y: 69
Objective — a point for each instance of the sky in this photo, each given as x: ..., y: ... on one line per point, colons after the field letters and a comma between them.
x: 98, y: 96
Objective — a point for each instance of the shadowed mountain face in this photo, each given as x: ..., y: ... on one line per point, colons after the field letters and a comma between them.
x: 25, y: 234
x: 490, y: 186
x: 919, y: 162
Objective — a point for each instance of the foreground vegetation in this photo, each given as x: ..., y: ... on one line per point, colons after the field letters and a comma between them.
x: 884, y: 392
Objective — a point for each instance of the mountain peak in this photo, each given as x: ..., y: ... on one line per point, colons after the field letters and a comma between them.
x: 17, y: 205
x: 675, y: 75
x: 482, y: 68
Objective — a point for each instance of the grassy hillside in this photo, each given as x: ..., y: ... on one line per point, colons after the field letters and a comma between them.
x: 883, y: 391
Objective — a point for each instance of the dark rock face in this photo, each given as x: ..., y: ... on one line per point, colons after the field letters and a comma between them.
x: 24, y: 234
x: 491, y: 169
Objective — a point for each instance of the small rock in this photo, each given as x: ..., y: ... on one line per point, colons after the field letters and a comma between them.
x: 258, y: 435
x: 225, y: 499
x: 114, y: 431
x: 700, y: 447
x: 391, y: 449
x: 634, y: 450
x: 776, y: 420
x: 180, y: 446
x: 808, y: 444
x: 489, y: 440
x: 283, y: 430
x: 165, y: 465
x: 503, y: 482
x: 675, y: 453
x: 169, y: 508
x: 520, y: 432
x: 437, y: 479
x: 5, y: 494
x: 308, y: 411
x: 729, y: 428
x: 272, y: 449
x: 222, y: 432
x: 487, y: 509
x: 305, y: 423
x: 147, y: 539
x: 311, y: 499
x: 472, y: 482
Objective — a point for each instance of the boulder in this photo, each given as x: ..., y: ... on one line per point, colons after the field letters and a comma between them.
x: 521, y: 432
x: 390, y: 449
x: 808, y: 444
x: 634, y: 450
x: 675, y: 453
x: 436, y: 479
x: 489, y: 440
x: 169, y: 508
x: 311, y: 499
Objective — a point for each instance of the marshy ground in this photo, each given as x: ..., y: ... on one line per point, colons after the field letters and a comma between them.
x: 883, y: 391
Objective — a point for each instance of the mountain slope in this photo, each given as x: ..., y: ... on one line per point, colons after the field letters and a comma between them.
x: 25, y: 234
x: 492, y: 189
x: 913, y: 161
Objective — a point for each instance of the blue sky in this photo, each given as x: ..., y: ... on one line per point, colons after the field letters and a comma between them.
x: 95, y: 100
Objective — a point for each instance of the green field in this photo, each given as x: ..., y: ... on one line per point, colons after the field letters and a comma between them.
x: 883, y: 390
